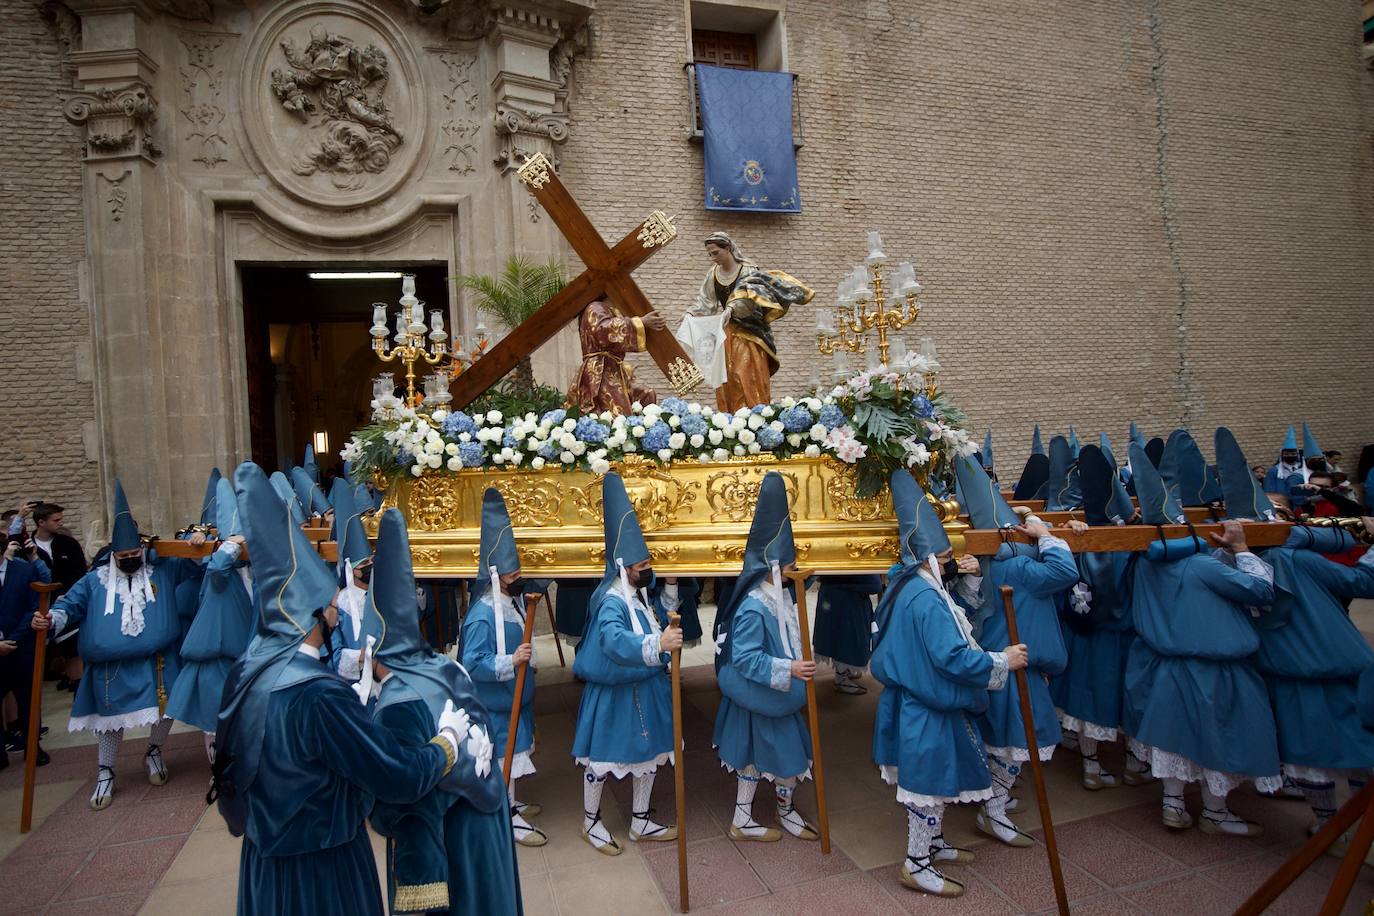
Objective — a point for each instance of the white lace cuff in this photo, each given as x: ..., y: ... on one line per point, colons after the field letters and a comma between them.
x: 648, y: 650
x: 1252, y: 565
x: 505, y: 667
x: 970, y: 588
x: 350, y: 664
x: 998, y: 678
x: 1050, y: 540
x: 670, y: 598
x: 230, y: 548
x: 781, y: 678
x: 59, y: 621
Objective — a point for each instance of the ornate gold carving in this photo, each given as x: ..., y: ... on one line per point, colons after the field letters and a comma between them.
x: 684, y: 376
x: 669, y: 554
x: 536, y: 170
x: 803, y: 550
x: 732, y: 494
x: 657, y: 230
x: 424, y: 556
x: 531, y: 501
x: 656, y: 495
x: 883, y: 547
x: 597, y: 555
x: 542, y: 556
x: 840, y: 488
x: 733, y: 552
x: 434, y: 504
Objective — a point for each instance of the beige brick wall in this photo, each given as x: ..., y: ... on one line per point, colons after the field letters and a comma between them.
x: 43, y: 321
x: 1155, y: 211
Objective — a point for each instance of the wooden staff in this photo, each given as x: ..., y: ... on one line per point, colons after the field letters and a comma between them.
x: 519, y: 688
x: 40, y: 647
x: 1041, y: 797
x: 679, y: 778
x: 813, y: 717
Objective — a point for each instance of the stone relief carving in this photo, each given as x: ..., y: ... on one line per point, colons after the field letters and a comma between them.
x: 512, y: 122
x: 118, y: 197
x: 65, y: 23
x: 201, y: 84
x: 338, y: 86
x: 460, y: 102
x: 561, y: 59
x: 118, y: 122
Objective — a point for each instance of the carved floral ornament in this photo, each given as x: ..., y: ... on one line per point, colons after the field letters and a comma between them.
x: 118, y: 122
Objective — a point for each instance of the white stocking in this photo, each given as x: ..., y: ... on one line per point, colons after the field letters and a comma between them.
x: 1088, y: 748
x: 159, y: 732
x: 107, y: 747
x: 640, y: 824
x: 994, y: 816
x: 922, y: 826
x: 592, y: 825
x: 1173, y: 793
x: 744, y: 803
x: 788, y: 815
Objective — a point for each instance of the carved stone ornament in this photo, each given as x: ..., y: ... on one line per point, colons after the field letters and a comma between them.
x: 118, y: 122
x: 202, y: 84
x: 65, y: 23
x: 461, y: 100
x: 332, y: 93
x: 513, y: 120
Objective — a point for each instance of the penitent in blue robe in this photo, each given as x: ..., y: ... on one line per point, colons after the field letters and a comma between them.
x: 1039, y: 582
x: 844, y: 619
x: 128, y: 678
x: 494, y: 677
x: 934, y: 682
x: 1191, y: 688
x: 219, y: 633
x: 305, y: 847
x: 443, y: 853
x: 625, y: 721
x: 1311, y: 657
x: 1087, y: 692
x: 759, y: 724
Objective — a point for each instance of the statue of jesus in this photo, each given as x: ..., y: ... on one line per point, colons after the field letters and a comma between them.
x: 605, y: 381
x: 752, y: 299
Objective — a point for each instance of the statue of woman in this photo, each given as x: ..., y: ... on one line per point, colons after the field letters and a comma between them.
x: 752, y: 299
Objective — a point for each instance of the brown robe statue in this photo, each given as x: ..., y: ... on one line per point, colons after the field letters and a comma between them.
x: 605, y: 381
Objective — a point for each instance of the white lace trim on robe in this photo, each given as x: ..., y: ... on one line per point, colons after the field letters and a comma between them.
x: 520, y: 765
x: 1085, y: 728
x: 1320, y: 775
x: 889, y: 775
x: 1019, y: 754
x: 1168, y: 765
x: 134, y: 593
x: 95, y: 723
x: 752, y: 772
x: 599, y: 768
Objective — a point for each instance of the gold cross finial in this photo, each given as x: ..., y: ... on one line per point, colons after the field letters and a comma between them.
x: 535, y: 171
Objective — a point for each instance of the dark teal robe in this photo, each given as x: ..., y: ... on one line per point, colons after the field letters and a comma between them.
x: 305, y: 848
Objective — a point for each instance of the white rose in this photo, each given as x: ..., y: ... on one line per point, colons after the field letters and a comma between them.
x: 755, y: 448
x: 715, y: 436
x: 738, y: 423
x: 813, y: 451
x: 637, y: 432
x: 566, y: 457
x: 720, y: 454
x: 746, y: 437
x: 417, y: 470
x: 630, y: 447
x: 665, y: 454
x: 493, y: 416
x: 697, y: 441
x: 794, y: 440
x: 818, y: 433
x: 606, y: 416
x: 455, y: 463
x: 755, y: 421
x: 739, y: 451
x: 789, y: 402
x: 677, y: 440
x: 578, y: 448
x: 532, y: 444
x: 438, y: 415
x: 433, y: 461
x: 674, y: 422
x: 694, y: 408
x: 567, y: 440
x: 600, y: 465
x: 767, y: 412
x: 720, y: 420
x: 652, y: 411
x: 498, y: 458
x: 537, y: 462
x: 465, y: 437
x: 570, y: 424
x: 517, y: 458
x: 508, y: 453
x: 451, y: 448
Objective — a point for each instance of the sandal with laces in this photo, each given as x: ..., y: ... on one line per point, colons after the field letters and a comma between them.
x: 753, y: 831
x: 945, y: 854
x: 651, y: 832
x: 921, y: 875
x: 1226, y: 822
x: 608, y: 846
x: 1094, y: 782
x: 104, y: 789
x: 1174, y: 815
x: 157, y: 770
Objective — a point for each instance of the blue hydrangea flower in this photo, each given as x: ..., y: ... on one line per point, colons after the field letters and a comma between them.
x: 472, y: 454
x: 404, y: 458
x: 554, y: 417
x: 457, y: 423
x: 591, y: 431
x: 509, y: 440
x: 832, y: 417
x: 769, y: 438
x: 757, y: 408
x: 796, y: 419
x: 695, y: 425
x: 675, y: 405
x: 656, y: 436
x: 549, y: 450
x: 924, y: 408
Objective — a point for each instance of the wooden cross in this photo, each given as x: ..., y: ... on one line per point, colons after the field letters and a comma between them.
x: 607, y: 274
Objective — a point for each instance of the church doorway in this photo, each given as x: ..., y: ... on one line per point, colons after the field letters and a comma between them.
x: 308, y: 353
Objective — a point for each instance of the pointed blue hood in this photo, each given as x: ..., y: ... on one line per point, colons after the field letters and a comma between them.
x: 1154, y: 450
x: 308, y: 492
x: 1290, y: 440
x: 208, y: 513
x: 624, y: 539
x: 1074, y: 447
x: 919, y: 531
x: 1062, y: 490
x: 227, y: 521
x: 341, y: 500
x: 123, y: 528
x: 497, y: 547
x: 1037, y: 447
x: 1135, y: 437
x: 983, y: 501
x: 1157, y: 503
x: 770, y: 542
x: 1184, y: 470
x: 1104, y: 443
x: 1034, y: 478
x: 1242, y: 493
x: 290, y: 582
x: 282, y: 487
x: 1096, y: 474
x: 309, y: 465
x: 1310, y: 448
x: 402, y: 648
x: 988, y: 464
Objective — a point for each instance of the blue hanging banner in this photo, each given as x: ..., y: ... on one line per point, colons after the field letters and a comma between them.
x: 746, y: 116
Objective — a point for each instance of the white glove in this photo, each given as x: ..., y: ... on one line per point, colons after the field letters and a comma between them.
x: 455, y: 721
x: 479, y: 748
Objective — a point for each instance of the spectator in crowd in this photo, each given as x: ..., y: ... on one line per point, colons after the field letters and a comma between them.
x: 65, y: 560
x: 18, y: 602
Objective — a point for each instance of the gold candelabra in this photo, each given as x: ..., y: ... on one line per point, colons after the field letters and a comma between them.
x: 868, y: 300
x: 414, y: 342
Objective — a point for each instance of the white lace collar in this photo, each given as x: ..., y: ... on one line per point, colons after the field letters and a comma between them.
x: 134, y: 592
x: 784, y: 610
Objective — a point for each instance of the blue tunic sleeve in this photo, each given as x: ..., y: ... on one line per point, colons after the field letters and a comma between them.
x: 1046, y: 576
x: 75, y: 602
x: 619, y: 642
x: 949, y: 652
x: 363, y: 753
x: 479, y: 647
x: 748, y: 644
x: 1346, y: 582
x: 1233, y: 584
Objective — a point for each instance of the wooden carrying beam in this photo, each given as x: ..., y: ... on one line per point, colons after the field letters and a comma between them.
x: 329, y: 550
x: 1109, y: 539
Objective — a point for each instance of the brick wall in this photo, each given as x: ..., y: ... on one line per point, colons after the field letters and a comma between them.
x: 1141, y: 210
x: 43, y: 320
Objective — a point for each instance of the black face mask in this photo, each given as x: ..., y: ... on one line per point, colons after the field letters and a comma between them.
x: 129, y: 565
x: 327, y: 650
x: 949, y: 569
x: 643, y: 579
x: 364, y: 573
x: 515, y: 589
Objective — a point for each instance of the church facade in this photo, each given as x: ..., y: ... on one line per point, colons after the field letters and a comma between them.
x: 1145, y: 210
